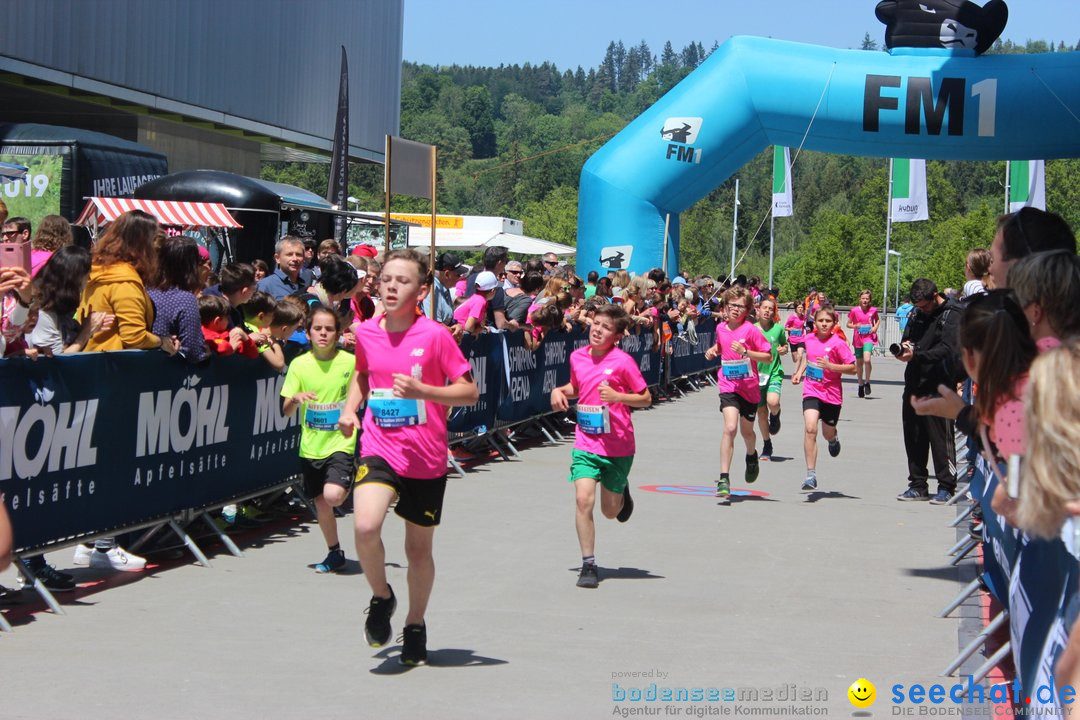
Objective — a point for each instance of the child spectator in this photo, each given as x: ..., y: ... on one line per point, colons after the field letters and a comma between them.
x: 236, y: 283
x: 608, y: 383
x: 317, y: 384
x: 176, y: 310
x: 214, y: 317
x: 287, y: 317
x: 53, y: 233
x: 262, y: 269
x: 471, y: 313
x: 58, y: 287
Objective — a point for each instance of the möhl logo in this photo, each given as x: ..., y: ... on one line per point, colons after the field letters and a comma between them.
x: 177, y: 420
x: 66, y: 431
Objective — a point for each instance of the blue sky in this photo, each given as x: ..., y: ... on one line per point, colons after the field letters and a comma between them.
x: 576, y: 32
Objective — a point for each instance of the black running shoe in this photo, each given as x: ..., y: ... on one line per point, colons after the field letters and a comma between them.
x: 774, y: 423
x: 589, y: 577
x: 752, y: 468
x: 627, y: 505
x: 834, y: 447
x: 51, y: 578
x: 766, y: 450
x: 862, y: 390
x: 377, y: 625
x: 413, y: 645
x: 867, y: 388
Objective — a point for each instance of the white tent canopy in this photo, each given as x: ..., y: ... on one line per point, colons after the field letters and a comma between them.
x: 420, y: 237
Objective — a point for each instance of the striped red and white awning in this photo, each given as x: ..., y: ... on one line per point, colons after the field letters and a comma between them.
x: 100, y: 210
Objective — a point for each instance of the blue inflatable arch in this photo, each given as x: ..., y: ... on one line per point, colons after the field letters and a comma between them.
x: 753, y: 92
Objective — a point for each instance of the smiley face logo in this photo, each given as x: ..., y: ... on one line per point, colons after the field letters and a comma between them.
x: 862, y: 693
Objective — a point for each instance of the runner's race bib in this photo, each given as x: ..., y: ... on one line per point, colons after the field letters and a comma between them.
x: 323, y: 416
x: 763, y: 377
x: 736, y: 369
x: 864, y: 329
x: 815, y: 373
x: 795, y: 333
x: 594, y: 419
x: 393, y: 412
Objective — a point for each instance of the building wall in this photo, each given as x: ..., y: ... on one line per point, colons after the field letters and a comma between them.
x: 270, y: 67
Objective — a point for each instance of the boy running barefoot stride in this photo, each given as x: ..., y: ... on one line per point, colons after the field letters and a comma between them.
x: 608, y: 383
x: 410, y: 370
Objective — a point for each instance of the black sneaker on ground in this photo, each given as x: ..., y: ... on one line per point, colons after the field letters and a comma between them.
x: 774, y: 423
x: 862, y: 390
x: 589, y: 576
x: 413, y: 645
x: 942, y: 497
x: 911, y: 494
x: 867, y: 388
x: 10, y: 596
x: 377, y: 625
x: 834, y: 447
x: 766, y: 450
x: 53, y: 579
x: 627, y: 505
x: 753, y: 468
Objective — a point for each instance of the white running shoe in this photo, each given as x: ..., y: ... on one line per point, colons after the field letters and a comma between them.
x: 82, y: 555
x: 117, y: 558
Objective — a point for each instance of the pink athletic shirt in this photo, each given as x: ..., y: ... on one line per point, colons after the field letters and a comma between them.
x: 474, y: 306
x: 828, y: 388
x: 621, y: 373
x: 726, y: 380
x: 796, y: 323
x: 427, y: 352
x: 863, y: 318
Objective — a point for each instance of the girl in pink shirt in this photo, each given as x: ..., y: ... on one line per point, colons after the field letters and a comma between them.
x: 410, y: 370
x: 607, y: 383
x: 827, y: 358
x: 864, y: 320
x: 795, y: 327
x: 740, y: 347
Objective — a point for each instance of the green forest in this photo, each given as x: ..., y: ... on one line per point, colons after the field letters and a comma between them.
x: 512, y: 141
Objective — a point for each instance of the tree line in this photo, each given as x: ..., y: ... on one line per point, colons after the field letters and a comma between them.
x: 512, y: 141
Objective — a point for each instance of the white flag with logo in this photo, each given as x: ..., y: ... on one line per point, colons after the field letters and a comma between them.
x: 909, y: 191
x: 782, y: 204
x: 1027, y: 184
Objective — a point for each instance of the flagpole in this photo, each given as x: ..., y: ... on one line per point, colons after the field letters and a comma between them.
x: 888, y: 240
x: 386, y: 218
x: 734, y: 231
x: 667, y: 225
x: 772, y: 240
x: 1008, y: 185
x: 434, y: 223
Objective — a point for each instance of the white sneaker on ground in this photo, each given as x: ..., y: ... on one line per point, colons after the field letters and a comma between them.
x: 117, y: 558
x: 82, y: 555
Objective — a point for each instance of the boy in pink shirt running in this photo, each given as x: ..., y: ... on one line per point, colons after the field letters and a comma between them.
x: 607, y: 383
x: 827, y: 357
x: 410, y: 370
x: 740, y: 346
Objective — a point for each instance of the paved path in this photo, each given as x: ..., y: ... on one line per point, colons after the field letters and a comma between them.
x: 815, y: 590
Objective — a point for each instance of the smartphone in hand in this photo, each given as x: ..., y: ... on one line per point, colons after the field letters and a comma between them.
x: 15, y: 254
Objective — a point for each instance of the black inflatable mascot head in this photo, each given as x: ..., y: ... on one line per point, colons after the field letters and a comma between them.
x: 951, y: 24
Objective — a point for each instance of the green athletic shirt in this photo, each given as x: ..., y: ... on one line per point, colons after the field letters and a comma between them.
x: 319, y: 435
x: 777, y: 336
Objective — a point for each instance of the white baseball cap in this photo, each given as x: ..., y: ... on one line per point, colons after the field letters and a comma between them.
x: 486, y: 281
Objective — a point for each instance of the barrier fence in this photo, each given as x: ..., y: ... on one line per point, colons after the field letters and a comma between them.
x: 102, y: 443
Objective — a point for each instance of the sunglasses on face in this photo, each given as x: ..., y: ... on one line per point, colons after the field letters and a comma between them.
x: 551, y: 262
x: 513, y: 272
x: 9, y: 233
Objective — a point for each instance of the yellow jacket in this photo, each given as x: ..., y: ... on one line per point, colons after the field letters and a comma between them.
x: 118, y: 289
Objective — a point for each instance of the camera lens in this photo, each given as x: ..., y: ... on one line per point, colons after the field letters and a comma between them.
x: 895, y: 349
